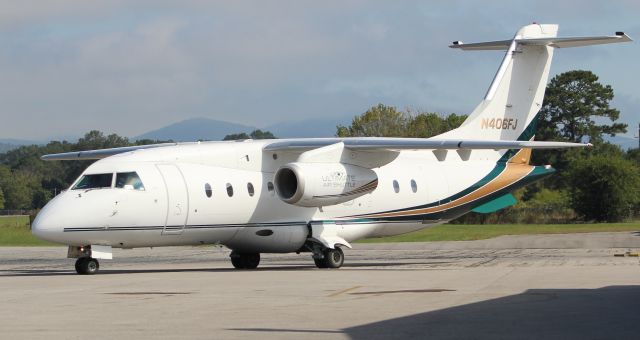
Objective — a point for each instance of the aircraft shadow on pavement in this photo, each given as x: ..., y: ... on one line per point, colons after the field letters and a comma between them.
x: 603, y: 313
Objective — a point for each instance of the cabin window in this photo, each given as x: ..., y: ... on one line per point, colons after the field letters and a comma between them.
x: 129, y: 180
x: 229, y: 190
x: 250, y: 189
x: 270, y: 187
x: 396, y: 186
x: 414, y: 186
x: 207, y: 190
x: 95, y: 181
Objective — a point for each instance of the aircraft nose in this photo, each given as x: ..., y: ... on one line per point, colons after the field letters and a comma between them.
x: 46, y: 225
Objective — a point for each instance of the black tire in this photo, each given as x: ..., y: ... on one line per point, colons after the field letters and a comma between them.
x: 79, y: 265
x: 320, y: 263
x: 87, y: 266
x: 333, y: 258
x: 236, y: 260
x: 245, y: 260
x: 251, y: 261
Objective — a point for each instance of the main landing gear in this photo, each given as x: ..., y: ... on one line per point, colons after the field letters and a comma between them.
x: 322, y: 257
x: 331, y: 258
x: 245, y: 260
x: 328, y: 258
x: 87, y: 266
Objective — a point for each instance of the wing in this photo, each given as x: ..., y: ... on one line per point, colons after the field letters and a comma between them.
x: 392, y: 144
x: 361, y: 144
x: 98, y: 154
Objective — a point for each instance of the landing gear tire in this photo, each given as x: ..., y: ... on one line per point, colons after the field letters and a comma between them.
x: 87, y: 266
x: 333, y: 258
x: 245, y: 260
x: 320, y: 263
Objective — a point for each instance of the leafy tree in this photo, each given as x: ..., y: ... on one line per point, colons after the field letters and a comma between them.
x: 18, y: 189
x: 40, y: 196
x: 1, y: 199
x: 97, y: 140
x: 387, y: 121
x: 604, y: 187
x: 259, y: 134
x: 573, y: 104
x: 425, y: 125
x: 236, y: 136
x: 378, y: 121
x: 255, y: 134
x: 634, y: 155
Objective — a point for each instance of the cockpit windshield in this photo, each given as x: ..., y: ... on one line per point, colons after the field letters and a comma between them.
x: 95, y: 181
x: 129, y: 180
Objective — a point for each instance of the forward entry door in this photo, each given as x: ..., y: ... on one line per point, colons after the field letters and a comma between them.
x: 177, y: 199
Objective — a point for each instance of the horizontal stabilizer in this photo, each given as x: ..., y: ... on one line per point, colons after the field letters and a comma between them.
x: 552, y: 42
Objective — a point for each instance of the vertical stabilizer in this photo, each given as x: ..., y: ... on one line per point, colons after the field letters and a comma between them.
x: 516, y: 92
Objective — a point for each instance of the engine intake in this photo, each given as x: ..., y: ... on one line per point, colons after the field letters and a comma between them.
x: 322, y: 184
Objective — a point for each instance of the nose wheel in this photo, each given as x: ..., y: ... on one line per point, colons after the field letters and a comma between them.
x: 87, y: 266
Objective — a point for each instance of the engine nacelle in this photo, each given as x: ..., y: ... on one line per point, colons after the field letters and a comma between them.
x: 322, y: 184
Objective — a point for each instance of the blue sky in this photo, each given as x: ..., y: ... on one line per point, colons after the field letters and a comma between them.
x: 128, y: 67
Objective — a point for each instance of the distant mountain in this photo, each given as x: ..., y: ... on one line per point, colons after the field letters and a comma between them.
x: 210, y: 129
x: 8, y: 144
x: 18, y: 141
x: 194, y: 129
x: 625, y: 142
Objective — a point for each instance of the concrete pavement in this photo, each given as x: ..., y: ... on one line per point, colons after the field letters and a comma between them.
x: 548, y: 286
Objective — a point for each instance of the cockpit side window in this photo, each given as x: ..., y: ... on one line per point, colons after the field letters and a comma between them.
x: 129, y: 180
x: 95, y: 181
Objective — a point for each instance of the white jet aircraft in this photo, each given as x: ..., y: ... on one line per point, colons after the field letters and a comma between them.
x: 312, y: 195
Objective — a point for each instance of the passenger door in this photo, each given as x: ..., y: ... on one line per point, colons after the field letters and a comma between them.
x: 177, y: 199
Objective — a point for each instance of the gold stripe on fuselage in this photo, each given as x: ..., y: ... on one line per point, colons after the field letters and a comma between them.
x: 515, y: 169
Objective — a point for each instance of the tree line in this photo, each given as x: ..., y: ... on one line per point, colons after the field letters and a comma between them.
x: 599, y: 184
x: 27, y: 182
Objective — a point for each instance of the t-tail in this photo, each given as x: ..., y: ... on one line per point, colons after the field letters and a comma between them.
x: 509, y: 110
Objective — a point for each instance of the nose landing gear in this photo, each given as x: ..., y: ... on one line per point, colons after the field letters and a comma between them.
x: 87, y: 266
x: 87, y: 257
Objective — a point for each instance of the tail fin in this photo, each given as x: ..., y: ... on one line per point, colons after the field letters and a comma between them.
x: 510, y: 107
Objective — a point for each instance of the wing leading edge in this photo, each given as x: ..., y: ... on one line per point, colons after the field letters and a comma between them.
x: 99, y: 154
x: 373, y: 143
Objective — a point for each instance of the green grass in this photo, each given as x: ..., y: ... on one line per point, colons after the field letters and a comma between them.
x: 15, y: 231
x: 450, y: 232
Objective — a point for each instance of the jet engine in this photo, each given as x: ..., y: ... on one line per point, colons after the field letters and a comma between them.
x: 322, y: 184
